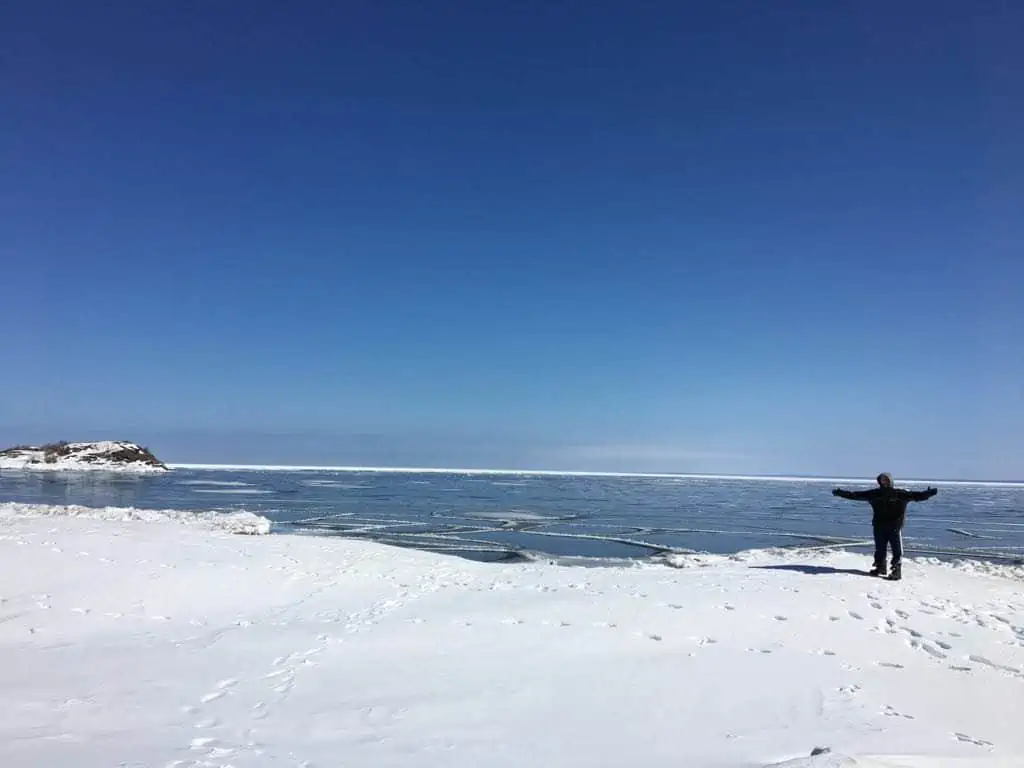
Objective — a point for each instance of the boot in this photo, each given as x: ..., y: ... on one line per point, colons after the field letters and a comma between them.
x: 878, y: 570
x: 897, y: 573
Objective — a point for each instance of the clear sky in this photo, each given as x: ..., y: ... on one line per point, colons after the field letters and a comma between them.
x: 701, y: 236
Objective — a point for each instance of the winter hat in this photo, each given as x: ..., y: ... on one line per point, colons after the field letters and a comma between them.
x: 887, y: 476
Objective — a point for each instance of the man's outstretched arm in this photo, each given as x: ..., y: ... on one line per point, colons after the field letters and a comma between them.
x: 852, y: 495
x: 920, y: 495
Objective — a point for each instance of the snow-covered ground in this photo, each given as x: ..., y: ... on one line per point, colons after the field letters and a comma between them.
x: 81, y: 457
x: 134, y: 643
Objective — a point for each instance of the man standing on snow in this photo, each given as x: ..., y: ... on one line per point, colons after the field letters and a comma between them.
x: 889, y: 505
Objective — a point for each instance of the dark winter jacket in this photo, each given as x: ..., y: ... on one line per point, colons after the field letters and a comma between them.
x: 888, y: 504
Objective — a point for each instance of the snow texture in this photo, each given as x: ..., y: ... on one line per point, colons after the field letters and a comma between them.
x: 173, y: 646
x: 79, y: 457
x: 229, y: 522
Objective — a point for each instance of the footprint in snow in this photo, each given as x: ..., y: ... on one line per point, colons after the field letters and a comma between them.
x: 1000, y: 667
x: 891, y: 712
x: 971, y: 740
x: 855, y: 615
x: 929, y: 649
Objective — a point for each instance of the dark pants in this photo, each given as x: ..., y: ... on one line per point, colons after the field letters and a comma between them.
x: 888, y: 537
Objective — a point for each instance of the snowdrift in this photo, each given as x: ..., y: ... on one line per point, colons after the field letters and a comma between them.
x: 229, y: 522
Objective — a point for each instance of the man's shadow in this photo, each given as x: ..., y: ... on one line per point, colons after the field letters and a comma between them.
x: 813, y: 570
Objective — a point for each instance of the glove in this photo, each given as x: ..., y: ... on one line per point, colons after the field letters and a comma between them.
x: 835, y: 491
x: 932, y: 491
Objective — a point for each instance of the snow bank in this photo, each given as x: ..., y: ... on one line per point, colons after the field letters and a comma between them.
x: 105, y: 455
x: 231, y: 522
x: 168, y: 645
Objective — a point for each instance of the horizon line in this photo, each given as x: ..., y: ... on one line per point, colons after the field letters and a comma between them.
x: 569, y: 473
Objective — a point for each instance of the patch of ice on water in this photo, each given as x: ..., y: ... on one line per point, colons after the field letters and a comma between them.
x: 510, y: 516
x: 221, y: 483
x: 231, y: 522
x: 335, y: 484
x: 234, y: 491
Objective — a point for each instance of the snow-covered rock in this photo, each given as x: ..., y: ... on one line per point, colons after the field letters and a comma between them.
x: 106, y: 455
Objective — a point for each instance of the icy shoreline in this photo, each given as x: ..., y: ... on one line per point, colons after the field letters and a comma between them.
x: 174, y: 645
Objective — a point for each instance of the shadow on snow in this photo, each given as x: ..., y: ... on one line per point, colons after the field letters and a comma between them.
x: 813, y: 570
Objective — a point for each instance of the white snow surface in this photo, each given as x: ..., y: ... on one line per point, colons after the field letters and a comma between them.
x: 163, y: 644
x: 83, y: 458
x: 229, y: 522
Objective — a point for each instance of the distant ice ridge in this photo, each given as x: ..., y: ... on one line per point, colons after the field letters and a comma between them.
x: 583, y: 473
x: 230, y: 522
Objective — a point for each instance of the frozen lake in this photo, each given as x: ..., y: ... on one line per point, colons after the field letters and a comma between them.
x: 498, y: 516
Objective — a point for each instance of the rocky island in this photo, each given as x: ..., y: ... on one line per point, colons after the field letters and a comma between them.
x: 106, y: 455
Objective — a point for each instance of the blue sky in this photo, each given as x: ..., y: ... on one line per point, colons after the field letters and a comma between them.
x: 723, y: 237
